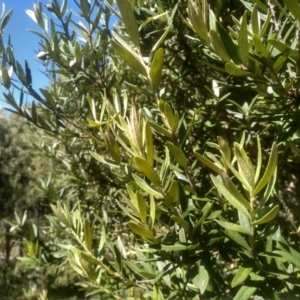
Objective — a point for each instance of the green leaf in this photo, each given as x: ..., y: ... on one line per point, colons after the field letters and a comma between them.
x: 178, y: 154
x: 201, y: 280
x: 28, y: 73
x: 112, y: 146
x: 147, y: 170
x: 152, y: 212
x: 218, y: 46
x: 229, y: 196
x: 235, y: 70
x: 207, y: 162
x: 178, y: 247
x: 243, y: 41
x: 283, y: 48
x: 240, y: 276
x: 144, y: 186
x: 245, y: 166
x: 229, y: 44
x: 233, y: 190
x: 172, y: 194
x: 270, y: 216
x: 233, y: 227
x: 235, y: 236
x: 272, y: 164
x: 142, y: 206
x: 181, y: 222
x: 5, y: 20
x: 168, y: 112
x: 260, y: 48
x: 255, y: 20
x: 244, y: 293
x: 156, y: 69
x: 293, y: 7
x: 129, y: 56
x: 141, y: 231
x: 197, y: 21
x: 149, y: 144
x: 129, y: 21
x: 88, y: 237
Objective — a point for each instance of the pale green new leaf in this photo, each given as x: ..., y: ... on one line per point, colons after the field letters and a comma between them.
x: 272, y: 164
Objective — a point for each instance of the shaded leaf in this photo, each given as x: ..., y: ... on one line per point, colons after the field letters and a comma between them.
x: 241, y: 275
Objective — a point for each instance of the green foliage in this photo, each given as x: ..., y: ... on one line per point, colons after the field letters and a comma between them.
x: 145, y: 204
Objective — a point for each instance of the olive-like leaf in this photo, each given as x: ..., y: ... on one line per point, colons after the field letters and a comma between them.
x: 294, y: 8
x: 218, y: 46
x: 201, y: 280
x: 147, y: 170
x: 149, y: 143
x: 129, y: 56
x: 270, y: 216
x: 178, y: 154
x: 240, y: 276
x: 243, y: 41
x: 88, y: 237
x: 144, y: 186
x: 141, y: 231
x: 233, y: 227
x: 197, y: 20
x: 5, y: 20
x: 207, y: 162
x: 156, y: 69
x: 255, y: 20
x: 229, y: 196
x: 235, y: 70
x: 129, y: 21
x: 272, y: 164
x: 142, y: 206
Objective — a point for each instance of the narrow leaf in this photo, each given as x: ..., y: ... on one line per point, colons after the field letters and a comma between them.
x: 272, y: 164
x: 207, y: 162
x: 156, y: 69
x: 147, y: 170
x: 129, y: 57
x: 232, y: 227
x: 88, y: 238
x: 141, y: 231
x: 218, y: 46
x: 142, y: 206
x: 144, y: 186
x: 129, y: 21
x: 270, y: 216
x: 178, y: 154
x: 243, y: 41
x: 241, y: 275
x: 229, y: 197
x: 294, y: 8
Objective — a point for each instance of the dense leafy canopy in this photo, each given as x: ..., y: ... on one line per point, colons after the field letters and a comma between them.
x: 175, y: 138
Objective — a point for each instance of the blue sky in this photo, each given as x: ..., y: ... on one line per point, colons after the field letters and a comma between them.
x: 24, y: 42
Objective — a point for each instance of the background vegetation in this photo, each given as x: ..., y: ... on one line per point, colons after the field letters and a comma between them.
x: 174, y: 141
